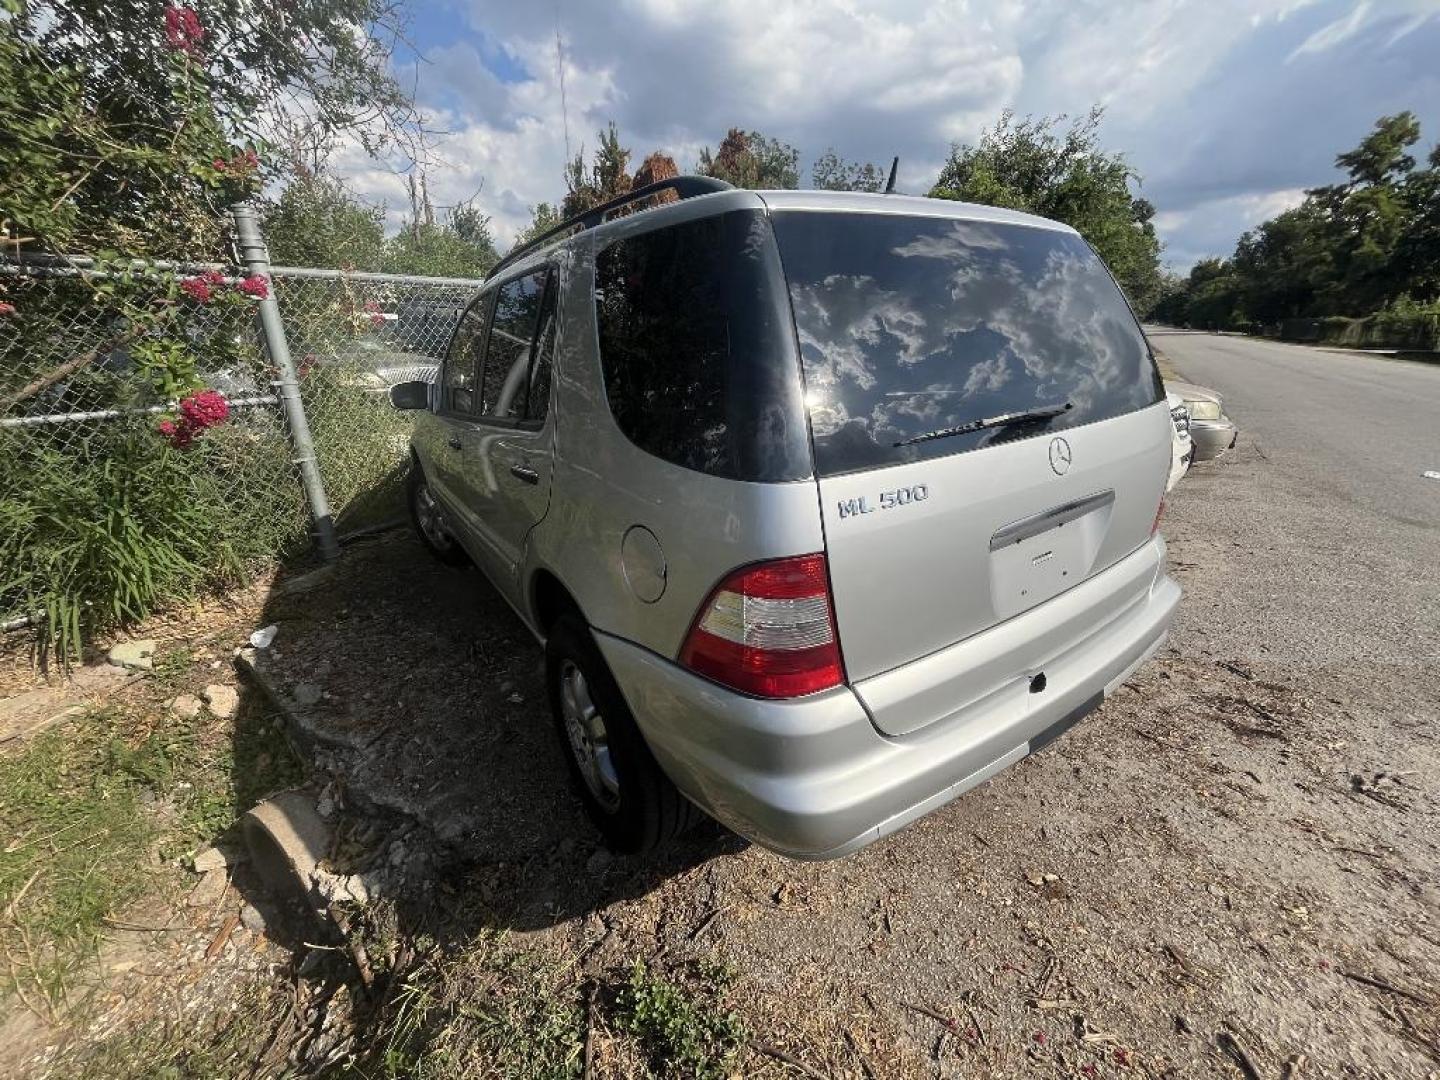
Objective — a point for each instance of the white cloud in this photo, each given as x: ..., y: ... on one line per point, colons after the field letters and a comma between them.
x: 1216, y: 101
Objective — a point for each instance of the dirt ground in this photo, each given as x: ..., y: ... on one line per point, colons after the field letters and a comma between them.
x: 1230, y: 870
x: 1234, y: 861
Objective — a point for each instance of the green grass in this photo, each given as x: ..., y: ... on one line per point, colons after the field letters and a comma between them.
x: 491, y: 1011
x: 97, y: 811
x: 228, y: 1043
x: 682, y: 1029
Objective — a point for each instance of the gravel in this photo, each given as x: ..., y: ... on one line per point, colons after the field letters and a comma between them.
x: 1238, y: 850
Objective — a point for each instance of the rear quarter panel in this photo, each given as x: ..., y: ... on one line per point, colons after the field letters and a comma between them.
x: 604, y: 485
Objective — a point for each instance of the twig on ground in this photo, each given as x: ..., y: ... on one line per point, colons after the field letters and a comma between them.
x: 141, y: 928
x: 1389, y: 988
x: 939, y: 1018
x: 789, y: 1059
x: 1360, y: 851
x: 975, y: 1019
x: 589, y: 1033
x: 1166, y: 743
x: 1232, y: 1046
x: 704, y: 924
x: 14, y: 905
x: 1242, y: 728
x: 1051, y: 966
x: 1235, y: 669
x: 1047, y: 1004
x: 1180, y: 958
x: 218, y: 942
x: 865, y: 1066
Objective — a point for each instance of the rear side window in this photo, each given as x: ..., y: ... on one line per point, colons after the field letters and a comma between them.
x: 909, y: 326
x: 697, y: 349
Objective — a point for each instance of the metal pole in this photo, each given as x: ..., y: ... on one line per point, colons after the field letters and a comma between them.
x: 256, y: 258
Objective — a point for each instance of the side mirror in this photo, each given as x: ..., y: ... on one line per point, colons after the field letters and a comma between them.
x: 410, y: 395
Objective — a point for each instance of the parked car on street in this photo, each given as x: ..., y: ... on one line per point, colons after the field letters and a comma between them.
x: 826, y: 506
x: 1182, y: 449
x: 1210, y: 429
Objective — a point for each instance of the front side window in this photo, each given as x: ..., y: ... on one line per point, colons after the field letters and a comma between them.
x: 512, y: 337
x: 458, y: 385
x: 911, y: 327
x: 697, y: 351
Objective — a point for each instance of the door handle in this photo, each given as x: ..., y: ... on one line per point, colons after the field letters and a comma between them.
x: 520, y: 472
x: 454, y: 442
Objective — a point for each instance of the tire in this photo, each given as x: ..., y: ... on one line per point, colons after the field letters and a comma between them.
x: 429, y: 520
x: 632, y: 802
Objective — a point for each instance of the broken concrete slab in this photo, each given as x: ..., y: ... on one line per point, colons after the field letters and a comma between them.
x: 185, y: 706
x: 209, y: 889
x: 31, y: 712
x: 224, y: 700
x: 134, y: 655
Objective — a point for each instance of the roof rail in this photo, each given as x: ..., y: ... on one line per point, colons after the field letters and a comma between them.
x: 686, y: 187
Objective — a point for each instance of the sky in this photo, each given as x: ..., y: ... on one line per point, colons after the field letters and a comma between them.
x: 1227, y: 110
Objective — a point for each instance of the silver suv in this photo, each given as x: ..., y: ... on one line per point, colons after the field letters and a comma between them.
x: 826, y: 506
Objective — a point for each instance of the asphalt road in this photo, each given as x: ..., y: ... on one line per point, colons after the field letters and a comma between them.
x: 1330, y: 534
x: 1366, y: 426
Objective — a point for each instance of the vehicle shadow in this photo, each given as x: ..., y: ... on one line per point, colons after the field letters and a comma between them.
x: 416, y: 698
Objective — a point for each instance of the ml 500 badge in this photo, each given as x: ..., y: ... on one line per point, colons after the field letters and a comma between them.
x: 888, y: 501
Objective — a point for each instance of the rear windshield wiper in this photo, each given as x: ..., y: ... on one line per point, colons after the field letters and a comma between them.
x: 1044, y: 412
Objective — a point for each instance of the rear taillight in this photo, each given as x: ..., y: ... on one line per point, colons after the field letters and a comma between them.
x: 768, y: 630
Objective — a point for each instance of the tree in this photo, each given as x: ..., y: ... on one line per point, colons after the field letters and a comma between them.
x: 655, y: 168
x: 752, y: 160
x: 458, y: 245
x: 606, y: 179
x: 316, y: 222
x: 130, y: 124
x: 833, y: 173
x: 543, y: 218
x: 1033, y: 166
x: 1367, y: 244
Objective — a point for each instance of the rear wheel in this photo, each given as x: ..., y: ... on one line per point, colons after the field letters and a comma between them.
x: 429, y: 520
x: 630, y: 800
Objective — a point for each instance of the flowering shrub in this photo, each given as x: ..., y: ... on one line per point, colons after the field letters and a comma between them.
x: 197, y: 289
x: 198, y: 412
x: 254, y: 285
x: 183, y: 31
x: 6, y: 308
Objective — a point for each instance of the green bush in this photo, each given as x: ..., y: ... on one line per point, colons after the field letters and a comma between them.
x: 103, y: 523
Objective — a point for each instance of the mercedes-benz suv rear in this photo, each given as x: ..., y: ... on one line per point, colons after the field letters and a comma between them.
x: 849, y: 502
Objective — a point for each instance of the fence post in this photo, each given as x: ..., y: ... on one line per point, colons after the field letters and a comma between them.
x: 256, y: 258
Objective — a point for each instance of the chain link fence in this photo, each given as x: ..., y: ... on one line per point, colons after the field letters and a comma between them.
x: 104, y: 517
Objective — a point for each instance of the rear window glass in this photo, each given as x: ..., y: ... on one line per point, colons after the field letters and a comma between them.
x: 910, y: 326
x: 697, y: 351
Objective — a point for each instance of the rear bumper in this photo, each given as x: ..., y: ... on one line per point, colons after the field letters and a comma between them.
x: 813, y: 778
x: 1212, y: 437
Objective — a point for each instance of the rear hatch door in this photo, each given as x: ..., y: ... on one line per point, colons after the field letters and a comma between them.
x: 988, y: 425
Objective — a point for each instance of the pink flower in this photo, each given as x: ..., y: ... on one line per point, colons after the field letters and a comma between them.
x: 376, y: 319
x: 6, y: 308
x: 219, y: 164
x: 197, y: 289
x: 177, y: 435
x: 213, y: 278
x: 204, y: 410
x: 255, y: 285
x: 183, y: 32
